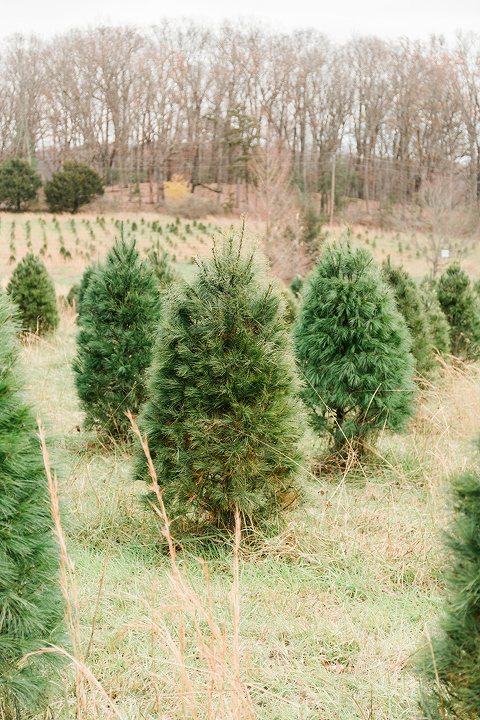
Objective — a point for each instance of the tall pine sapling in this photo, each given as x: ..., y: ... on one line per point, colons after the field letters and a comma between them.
x: 353, y: 350
x: 119, y: 314
x: 449, y: 669
x: 31, y: 611
x: 82, y: 289
x: 409, y: 303
x: 33, y: 291
x: 222, y: 417
x: 461, y: 306
x: 437, y: 322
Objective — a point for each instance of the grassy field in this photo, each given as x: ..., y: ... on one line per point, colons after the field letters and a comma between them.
x: 68, y: 243
x: 319, y: 622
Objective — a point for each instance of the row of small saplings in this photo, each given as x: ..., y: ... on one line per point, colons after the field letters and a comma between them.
x: 222, y: 391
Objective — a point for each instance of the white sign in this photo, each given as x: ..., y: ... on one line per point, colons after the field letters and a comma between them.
x: 445, y: 253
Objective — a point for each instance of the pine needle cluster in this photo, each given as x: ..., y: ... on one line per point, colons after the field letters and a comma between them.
x: 119, y: 312
x: 33, y: 291
x: 31, y: 610
x: 223, y: 420
x: 353, y: 349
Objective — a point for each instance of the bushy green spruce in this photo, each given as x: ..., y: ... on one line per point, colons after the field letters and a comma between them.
x: 33, y: 291
x: 353, y: 349
x: 31, y: 610
x: 437, y: 322
x: 409, y: 302
x: 119, y: 315
x: 449, y: 670
x: 75, y: 185
x: 19, y: 183
x: 462, y: 310
x: 222, y: 418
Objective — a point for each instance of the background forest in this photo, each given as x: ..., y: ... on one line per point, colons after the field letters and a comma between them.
x: 398, y: 119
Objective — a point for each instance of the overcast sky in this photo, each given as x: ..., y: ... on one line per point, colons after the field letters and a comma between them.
x: 338, y: 18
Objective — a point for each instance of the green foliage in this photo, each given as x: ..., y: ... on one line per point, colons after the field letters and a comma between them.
x: 291, y: 305
x: 72, y: 297
x: 312, y: 222
x: 160, y: 262
x: 33, y: 291
x: 222, y: 419
x: 118, y: 318
x: 82, y: 289
x: 75, y: 185
x: 353, y: 349
x: 409, y: 302
x: 462, y: 310
x: 31, y: 610
x: 296, y: 285
x: 455, y: 647
x: 19, y: 183
x: 437, y: 322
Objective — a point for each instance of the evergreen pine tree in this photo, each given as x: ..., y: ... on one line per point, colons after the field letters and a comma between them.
x: 75, y: 185
x: 353, y: 349
x: 222, y: 418
x: 409, y: 303
x: 449, y: 669
x: 437, y: 322
x: 31, y: 610
x: 462, y: 310
x: 19, y: 183
x: 82, y: 289
x: 33, y: 291
x: 119, y: 314
x: 164, y: 273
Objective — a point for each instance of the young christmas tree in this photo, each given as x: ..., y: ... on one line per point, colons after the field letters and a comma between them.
x: 462, y: 310
x: 33, y: 291
x: 164, y: 273
x: 222, y: 418
x: 437, y: 322
x: 449, y: 669
x: 31, y: 609
x: 353, y: 349
x: 119, y: 315
x: 82, y: 289
x: 409, y: 302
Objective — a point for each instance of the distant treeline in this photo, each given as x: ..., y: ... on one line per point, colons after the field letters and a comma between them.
x: 183, y: 98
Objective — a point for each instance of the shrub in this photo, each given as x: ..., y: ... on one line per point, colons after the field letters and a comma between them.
x: 31, y: 610
x: 176, y: 189
x: 19, y: 183
x: 119, y: 314
x: 353, y: 349
x: 449, y: 669
x: 33, y: 291
x: 462, y: 310
x: 222, y: 419
x: 72, y: 187
x: 409, y: 303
